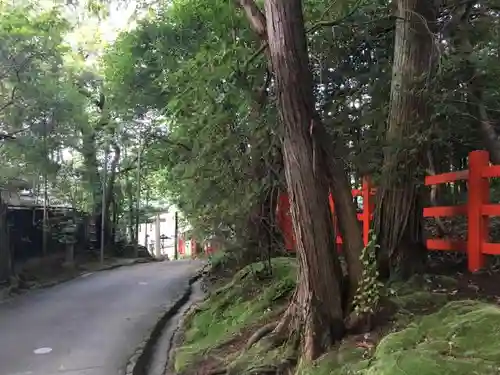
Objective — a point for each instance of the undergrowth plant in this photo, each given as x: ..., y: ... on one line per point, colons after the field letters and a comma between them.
x: 367, y: 295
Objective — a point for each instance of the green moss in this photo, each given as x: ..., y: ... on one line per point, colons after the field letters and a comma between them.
x: 259, y: 356
x: 460, y: 339
x: 421, y: 294
x: 222, y: 258
x: 344, y: 360
x: 244, y: 301
x: 420, y: 299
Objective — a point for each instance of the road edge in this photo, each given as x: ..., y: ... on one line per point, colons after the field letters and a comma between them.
x: 51, y: 284
x: 139, y: 362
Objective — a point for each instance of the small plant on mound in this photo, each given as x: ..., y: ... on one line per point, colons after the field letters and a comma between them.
x: 367, y: 296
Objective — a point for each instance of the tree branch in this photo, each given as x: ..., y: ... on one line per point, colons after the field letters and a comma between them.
x: 146, y: 144
x: 255, y: 16
x: 336, y: 22
x: 11, y: 100
x: 258, y: 23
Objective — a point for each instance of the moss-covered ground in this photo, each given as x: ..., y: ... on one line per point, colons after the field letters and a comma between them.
x: 427, y: 326
x: 250, y: 299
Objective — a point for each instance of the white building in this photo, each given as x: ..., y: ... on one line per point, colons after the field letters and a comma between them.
x: 158, y: 235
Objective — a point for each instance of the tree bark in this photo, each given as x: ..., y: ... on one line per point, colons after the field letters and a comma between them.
x: 345, y: 211
x: 114, y: 219
x: 109, y: 195
x: 398, y: 220
x: 333, y: 167
x: 130, y: 199
x: 138, y: 199
x: 92, y: 177
x: 5, y: 254
x: 315, y: 314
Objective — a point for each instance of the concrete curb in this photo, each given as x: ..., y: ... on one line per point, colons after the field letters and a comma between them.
x: 177, y: 337
x: 138, y: 364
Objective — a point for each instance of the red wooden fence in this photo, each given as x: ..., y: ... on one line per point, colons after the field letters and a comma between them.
x: 285, y: 220
x: 181, y: 247
x: 477, y: 210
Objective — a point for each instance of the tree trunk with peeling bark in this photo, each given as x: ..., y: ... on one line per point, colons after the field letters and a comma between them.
x: 331, y: 165
x: 315, y: 314
x: 398, y: 221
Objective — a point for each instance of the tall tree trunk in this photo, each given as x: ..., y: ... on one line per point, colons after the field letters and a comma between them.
x: 315, y: 313
x: 45, y: 226
x: 92, y: 177
x: 45, y: 215
x: 345, y: 210
x: 5, y: 254
x: 104, y: 207
x: 130, y: 199
x: 114, y: 219
x: 138, y: 199
x: 398, y: 219
x: 332, y: 166
x: 109, y: 194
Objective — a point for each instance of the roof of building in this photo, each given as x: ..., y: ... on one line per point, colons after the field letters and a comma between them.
x: 26, y: 200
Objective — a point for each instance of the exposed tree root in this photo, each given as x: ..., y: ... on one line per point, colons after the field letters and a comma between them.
x: 285, y: 367
x: 310, y: 324
x: 194, y: 309
x: 263, y: 370
x: 267, y: 331
x: 218, y: 371
x: 260, y: 333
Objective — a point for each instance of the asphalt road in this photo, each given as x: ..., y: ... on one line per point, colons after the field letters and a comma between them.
x: 91, y: 325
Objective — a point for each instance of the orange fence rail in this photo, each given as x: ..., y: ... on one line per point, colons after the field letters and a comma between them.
x: 477, y: 209
x: 365, y: 216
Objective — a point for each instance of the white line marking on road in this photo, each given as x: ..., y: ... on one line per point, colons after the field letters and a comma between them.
x: 42, y: 350
x: 87, y: 274
x: 143, y: 283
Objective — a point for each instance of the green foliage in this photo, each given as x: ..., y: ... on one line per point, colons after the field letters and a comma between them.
x: 32, y: 100
x: 58, y: 114
x: 182, y: 62
x: 367, y: 296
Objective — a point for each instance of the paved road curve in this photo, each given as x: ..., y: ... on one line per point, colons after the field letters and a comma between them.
x: 90, y: 325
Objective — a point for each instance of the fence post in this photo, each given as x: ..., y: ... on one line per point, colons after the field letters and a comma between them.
x: 335, y: 224
x: 332, y: 209
x: 284, y: 221
x: 367, y: 210
x: 477, y: 224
